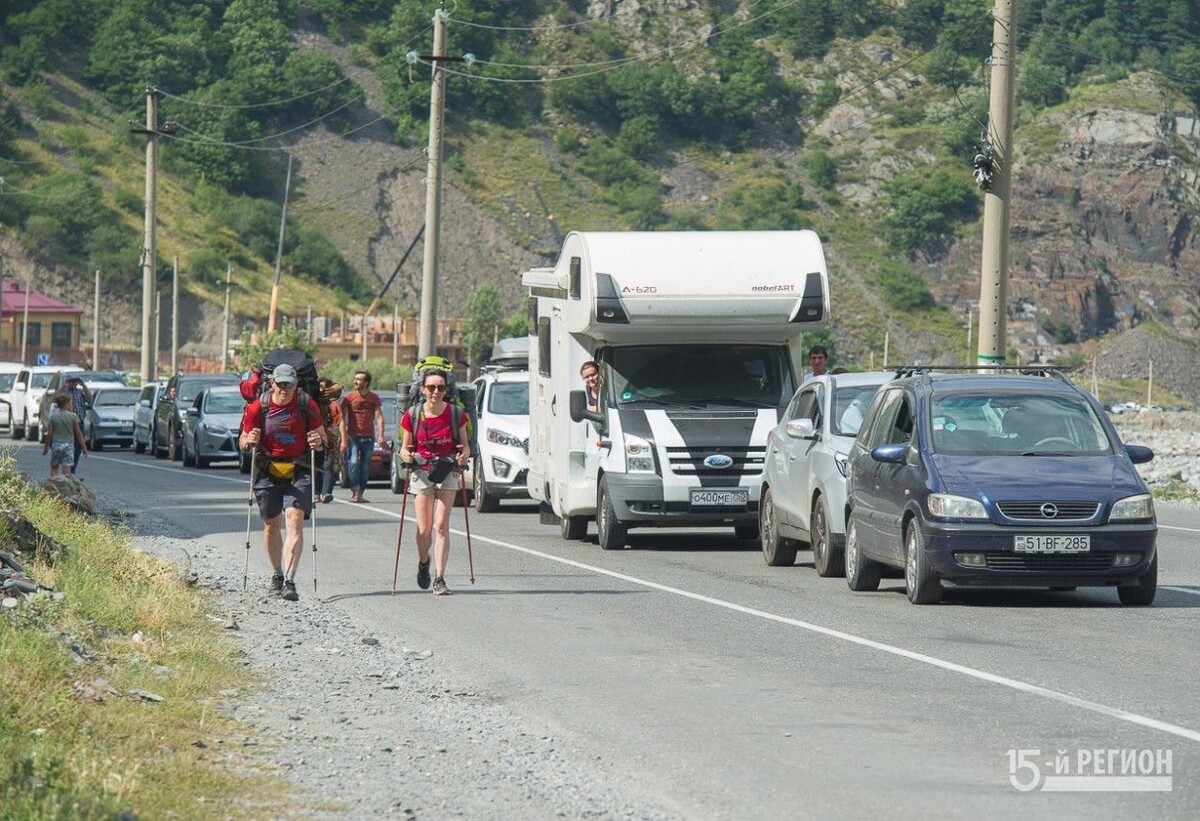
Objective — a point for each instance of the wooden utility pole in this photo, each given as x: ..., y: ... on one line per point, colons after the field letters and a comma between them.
x: 96, y: 325
x: 433, y: 190
x: 993, y: 286
x: 287, y: 187
x: 175, y: 315
x: 225, y: 334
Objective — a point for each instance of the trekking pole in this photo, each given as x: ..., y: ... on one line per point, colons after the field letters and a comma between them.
x: 249, y: 511
x: 400, y: 535
x: 462, y: 486
x: 312, y: 453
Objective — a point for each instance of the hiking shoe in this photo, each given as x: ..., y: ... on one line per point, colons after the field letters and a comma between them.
x: 439, y: 587
x: 423, y: 575
x: 289, y: 591
x: 277, y: 582
x: 327, y: 498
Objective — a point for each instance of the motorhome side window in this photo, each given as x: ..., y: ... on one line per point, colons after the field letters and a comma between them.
x: 701, y: 376
x: 543, y: 328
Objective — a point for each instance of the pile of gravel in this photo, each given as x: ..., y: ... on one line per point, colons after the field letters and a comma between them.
x: 1128, y: 356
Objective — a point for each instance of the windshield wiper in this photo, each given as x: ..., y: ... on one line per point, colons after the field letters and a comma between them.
x: 658, y: 400
x: 737, y: 400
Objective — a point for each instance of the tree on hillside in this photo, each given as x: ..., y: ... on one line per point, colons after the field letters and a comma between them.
x: 482, y: 314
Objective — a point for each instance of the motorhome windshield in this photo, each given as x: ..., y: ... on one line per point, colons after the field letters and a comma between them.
x: 699, y: 376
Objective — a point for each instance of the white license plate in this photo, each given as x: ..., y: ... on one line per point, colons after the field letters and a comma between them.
x: 733, y: 497
x: 1057, y: 543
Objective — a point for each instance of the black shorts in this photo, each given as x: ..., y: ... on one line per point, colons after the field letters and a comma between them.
x: 273, y: 495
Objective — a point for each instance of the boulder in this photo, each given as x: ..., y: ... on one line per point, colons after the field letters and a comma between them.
x: 72, y: 491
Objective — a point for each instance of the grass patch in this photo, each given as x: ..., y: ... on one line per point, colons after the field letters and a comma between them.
x: 73, y: 742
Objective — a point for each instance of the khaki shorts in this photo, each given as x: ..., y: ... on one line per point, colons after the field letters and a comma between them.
x: 419, y: 484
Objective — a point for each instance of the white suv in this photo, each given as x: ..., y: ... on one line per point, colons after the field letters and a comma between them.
x: 502, y: 428
x: 8, y: 377
x: 27, y: 396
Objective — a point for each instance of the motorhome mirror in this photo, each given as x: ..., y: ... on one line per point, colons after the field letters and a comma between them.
x: 580, y: 412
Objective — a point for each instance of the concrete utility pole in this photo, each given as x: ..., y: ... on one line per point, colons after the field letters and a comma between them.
x: 287, y: 187
x: 993, y: 286
x: 225, y: 333
x: 96, y: 325
x: 25, y: 323
x: 148, y: 247
x: 175, y: 315
x: 433, y: 190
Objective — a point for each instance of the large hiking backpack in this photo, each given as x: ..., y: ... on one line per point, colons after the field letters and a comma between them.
x: 412, y: 399
x: 256, y: 383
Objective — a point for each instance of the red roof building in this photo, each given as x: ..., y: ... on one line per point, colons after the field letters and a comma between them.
x: 53, y: 326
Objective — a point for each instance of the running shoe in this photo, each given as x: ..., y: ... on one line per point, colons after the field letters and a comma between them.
x: 277, y: 582
x: 439, y: 587
x: 423, y: 575
x: 289, y: 591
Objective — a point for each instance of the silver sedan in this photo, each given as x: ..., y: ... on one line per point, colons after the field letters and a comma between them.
x: 211, y: 425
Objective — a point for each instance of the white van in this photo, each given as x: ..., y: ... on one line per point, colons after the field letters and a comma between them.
x: 697, y: 335
x: 8, y: 377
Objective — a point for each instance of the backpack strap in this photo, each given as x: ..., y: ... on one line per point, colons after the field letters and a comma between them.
x: 418, y: 410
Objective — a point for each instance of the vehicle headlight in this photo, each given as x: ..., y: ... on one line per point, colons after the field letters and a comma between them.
x: 216, y: 428
x: 1133, y: 507
x: 639, y: 456
x: 945, y: 506
x: 502, y: 438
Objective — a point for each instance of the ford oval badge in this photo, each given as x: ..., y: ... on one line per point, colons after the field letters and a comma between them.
x: 718, y: 461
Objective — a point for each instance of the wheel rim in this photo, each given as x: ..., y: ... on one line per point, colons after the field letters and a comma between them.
x: 851, y: 549
x: 477, y: 481
x: 766, y: 525
x: 602, y: 516
x: 818, y: 533
x: 910, y: 560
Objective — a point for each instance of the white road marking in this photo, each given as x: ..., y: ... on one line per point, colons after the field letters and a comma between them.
x: 1191, y: 591
x: 933, y: 661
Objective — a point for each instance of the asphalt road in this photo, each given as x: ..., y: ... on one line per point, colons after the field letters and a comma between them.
x: 729, y: 689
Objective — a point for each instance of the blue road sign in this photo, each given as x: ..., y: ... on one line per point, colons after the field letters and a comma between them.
x: 43, y: 359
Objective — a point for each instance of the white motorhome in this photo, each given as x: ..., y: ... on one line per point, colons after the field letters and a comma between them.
x: 697, y: 335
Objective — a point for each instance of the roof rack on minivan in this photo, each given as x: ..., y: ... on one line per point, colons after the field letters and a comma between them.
x: 1049, y: 371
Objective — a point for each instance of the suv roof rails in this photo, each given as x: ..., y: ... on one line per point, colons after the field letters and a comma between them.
x: 1049, y: 371
x: 500, y: 367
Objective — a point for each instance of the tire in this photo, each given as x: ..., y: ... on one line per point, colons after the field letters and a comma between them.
x: 573, y: 528
x: 244, y: 462
x: 138, y: 445
x: 829, y: 549
x: 344, y: 477
x: 174, y: 449
x: 862, y: 574
x: 158, y: 453
x: 1141, y: 594
x: 92, y: 444
x: 186, y: 456
x: 201, y: 461
x: 746, y: 532
x: 397, y: 481
x: 484, y: 501
x: 920, y: 582
x: 612, y: 533
x: 777, y: 551
x: 16, y: 431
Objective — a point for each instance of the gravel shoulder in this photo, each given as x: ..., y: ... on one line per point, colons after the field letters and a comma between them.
x: 366, y: 727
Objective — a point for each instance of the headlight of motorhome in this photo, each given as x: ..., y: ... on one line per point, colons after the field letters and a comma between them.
x: 502, y: 438
x: 639, y: 456
x: 945, y: 506
x: 1133, y: 507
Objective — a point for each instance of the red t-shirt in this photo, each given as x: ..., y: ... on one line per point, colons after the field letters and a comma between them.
x: 285, y: 435
x: 435, y: 435
x: 360, y: 407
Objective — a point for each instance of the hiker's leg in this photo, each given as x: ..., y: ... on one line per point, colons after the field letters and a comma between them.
x: 424, y: 513
x: 295, y: 540
x: 441, y: 527
x: 273, y: 540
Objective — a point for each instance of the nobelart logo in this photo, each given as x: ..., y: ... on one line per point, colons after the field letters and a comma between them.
x: 1090, y: 771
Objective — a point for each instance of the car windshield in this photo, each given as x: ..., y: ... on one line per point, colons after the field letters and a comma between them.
x: 223, y: 402
x: 6, y: 381
x: 850, y: 406
x: 188, y: 389
x: 699, y: 376
x: 509, y: 399
x: 40, y: 380
x: 115, y: 397
x: 1016, y: 424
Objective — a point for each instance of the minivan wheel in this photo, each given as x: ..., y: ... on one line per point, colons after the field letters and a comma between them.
x: 829, y: 551
x: 611, y: 532
x: 861, y: 573
x: 1141, y: 594
x: 921, y: 583
x: 777, y: 551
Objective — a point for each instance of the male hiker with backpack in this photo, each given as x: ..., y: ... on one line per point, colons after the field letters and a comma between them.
x: 435, y: 446
x: 282, y: 432
x: 362, y: 416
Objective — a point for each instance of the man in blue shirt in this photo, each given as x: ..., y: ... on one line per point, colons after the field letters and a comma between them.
x: 80, y: 397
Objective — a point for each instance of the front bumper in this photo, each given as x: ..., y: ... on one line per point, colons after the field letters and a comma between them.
x: 945, y: 545
x: 113, y: 432
x: 217, y: 445
x: 638, y: 501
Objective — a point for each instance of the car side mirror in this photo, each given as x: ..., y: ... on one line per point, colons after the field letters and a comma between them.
x: 890, y: 454
x: 580, y: 412
x: 801, y: 429
x: 193, y: 411
x: 1139, y: 454
x: 20, y: 386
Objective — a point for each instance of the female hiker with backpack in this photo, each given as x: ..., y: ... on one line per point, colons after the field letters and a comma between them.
x: 433, y: 446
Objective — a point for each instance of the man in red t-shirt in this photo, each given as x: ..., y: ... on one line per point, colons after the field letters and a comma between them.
x: 282, y: 433
x: 361, y: 428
